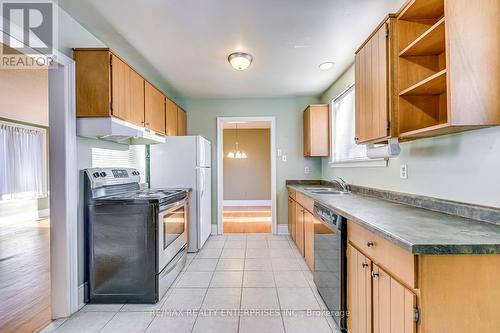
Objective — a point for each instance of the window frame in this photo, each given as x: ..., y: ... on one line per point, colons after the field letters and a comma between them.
x: 355, y: 162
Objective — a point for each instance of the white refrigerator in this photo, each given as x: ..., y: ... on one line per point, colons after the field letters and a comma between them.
x: 185, y: 162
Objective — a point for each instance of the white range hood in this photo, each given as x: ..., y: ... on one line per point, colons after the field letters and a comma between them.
x: 116, y: 130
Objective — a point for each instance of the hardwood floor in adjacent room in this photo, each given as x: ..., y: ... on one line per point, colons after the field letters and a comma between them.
x: 249, y: 219
x: 24, y: 276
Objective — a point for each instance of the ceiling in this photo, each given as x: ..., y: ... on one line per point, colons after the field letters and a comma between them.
x: 188, y: 41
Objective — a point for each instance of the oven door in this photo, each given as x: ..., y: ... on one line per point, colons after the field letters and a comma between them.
x: 172, y: 232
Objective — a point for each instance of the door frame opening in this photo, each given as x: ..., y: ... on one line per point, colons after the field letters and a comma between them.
x: 221, y: 121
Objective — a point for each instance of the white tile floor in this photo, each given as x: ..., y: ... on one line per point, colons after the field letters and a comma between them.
x: 237, y: 283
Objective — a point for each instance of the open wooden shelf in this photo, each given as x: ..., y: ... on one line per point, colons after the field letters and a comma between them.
x: 438, y: 129
x: 431, y: 42
x: 423, y: 9
x: 433, y: 85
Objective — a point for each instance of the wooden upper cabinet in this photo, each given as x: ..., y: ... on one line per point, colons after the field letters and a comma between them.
x: 127, y: 94
x: 93, y: 83
x: 171, y: 118
x: 181, y: 122
x: 107, y: 86
x: 374, y: 86
x: 154, y: 108
x: 449, y: 76
x: 316, y: 130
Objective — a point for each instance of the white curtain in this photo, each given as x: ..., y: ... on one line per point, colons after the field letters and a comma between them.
x: 22, y: 162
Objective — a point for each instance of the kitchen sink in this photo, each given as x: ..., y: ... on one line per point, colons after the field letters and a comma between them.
x: 324, y: 190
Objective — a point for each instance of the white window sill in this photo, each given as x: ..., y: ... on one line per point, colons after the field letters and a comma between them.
x: 375, y: 163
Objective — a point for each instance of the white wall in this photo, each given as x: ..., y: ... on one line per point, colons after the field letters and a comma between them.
x: 202, y: 120
x: 463, y: 167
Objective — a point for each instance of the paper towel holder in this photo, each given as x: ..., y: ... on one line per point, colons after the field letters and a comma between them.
x: 386, y: 151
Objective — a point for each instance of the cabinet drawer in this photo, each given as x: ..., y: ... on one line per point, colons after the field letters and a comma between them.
x: 291, y: 194
x: 394, y: 259
x: 305, y: 202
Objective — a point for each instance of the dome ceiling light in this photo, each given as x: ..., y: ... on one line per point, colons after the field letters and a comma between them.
x: 326, y: 65
x: 240, y: 60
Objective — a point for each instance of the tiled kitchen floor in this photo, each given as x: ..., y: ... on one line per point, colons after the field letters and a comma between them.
x: 242, y: 273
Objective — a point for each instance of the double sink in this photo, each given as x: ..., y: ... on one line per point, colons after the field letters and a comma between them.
x: 325, y: 190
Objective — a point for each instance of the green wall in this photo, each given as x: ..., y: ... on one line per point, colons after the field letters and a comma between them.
x: 462, y: 167
x: 202, y: 120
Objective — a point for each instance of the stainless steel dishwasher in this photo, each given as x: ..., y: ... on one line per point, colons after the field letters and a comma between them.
x: 330, y: 262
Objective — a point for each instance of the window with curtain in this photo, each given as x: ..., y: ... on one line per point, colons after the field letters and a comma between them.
x: 344, y: 147
x: 22, y: 162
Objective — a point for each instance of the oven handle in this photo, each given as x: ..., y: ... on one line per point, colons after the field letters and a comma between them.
x: 173, y: 206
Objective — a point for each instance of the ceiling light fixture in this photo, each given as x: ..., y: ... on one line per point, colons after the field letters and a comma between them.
x: 326, y: 65
x: 240, y: 60
x: 236, y: 153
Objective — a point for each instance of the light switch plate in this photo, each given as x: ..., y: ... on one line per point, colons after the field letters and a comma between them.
x: 307, y: 170
x: 403, y: 171
x: 280, y: 152
x: 283, y: 158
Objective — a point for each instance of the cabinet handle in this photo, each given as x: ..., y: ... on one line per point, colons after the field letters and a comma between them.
x: 375, y: 274
x: 364, y: 265
x: 370, y: 244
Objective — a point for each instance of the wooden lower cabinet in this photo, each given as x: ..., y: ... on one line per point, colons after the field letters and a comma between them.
x: 299, y: 228
x: 393, y: 304
x: 377, y: 302
x: 291, y: 217
x: 359, y: 291
x: 309, y: 239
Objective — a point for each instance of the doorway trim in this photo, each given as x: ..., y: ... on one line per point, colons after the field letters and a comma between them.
x: 220, y: 167
x: 63, y: 180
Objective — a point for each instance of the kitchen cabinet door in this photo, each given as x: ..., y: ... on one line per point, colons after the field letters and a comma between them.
x: 393, y: 305
x: 359, y: 291
x: 372, y: 88
x: 291, y: 217
x: 299, y: 228
x: 181, y: 122
x: 316, y: 130
x: 171, y: 118
x: 127, y: 92
x: 154, y: 108
x: 309, y: 239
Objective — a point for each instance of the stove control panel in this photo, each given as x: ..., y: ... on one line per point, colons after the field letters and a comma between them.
x: 100, y: 177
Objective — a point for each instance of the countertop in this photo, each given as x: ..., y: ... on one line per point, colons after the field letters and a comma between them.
x: 417, y: 230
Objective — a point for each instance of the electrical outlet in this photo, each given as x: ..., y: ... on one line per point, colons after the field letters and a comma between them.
x: 280, y: 152
x: 283, y: 158
x: 307, y: 170
x: 403, y: 171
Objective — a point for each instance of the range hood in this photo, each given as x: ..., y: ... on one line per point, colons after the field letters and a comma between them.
x: 116, y: 130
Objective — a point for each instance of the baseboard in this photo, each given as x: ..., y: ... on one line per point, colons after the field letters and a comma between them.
x: 23, y: 217
x: 214, y: 229
x: 249, y: 203
x: 81, y: 295
x: 283, y: 229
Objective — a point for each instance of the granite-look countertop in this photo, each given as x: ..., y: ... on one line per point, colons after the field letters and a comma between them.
x: 417, y: 230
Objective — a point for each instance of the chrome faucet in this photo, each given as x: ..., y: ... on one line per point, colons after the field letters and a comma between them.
x: 342, y: 184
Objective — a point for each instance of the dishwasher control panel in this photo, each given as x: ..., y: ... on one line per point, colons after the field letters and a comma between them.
x: 327, y: 215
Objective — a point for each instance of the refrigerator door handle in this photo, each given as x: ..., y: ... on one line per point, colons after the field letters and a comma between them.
x: 202, y: 183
